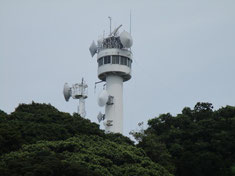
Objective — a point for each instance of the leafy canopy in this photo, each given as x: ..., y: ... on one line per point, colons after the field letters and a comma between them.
x: 37, y: 139
x: 197, y: 142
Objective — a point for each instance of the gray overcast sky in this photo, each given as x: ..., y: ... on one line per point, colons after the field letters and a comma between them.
x: 184, y: 53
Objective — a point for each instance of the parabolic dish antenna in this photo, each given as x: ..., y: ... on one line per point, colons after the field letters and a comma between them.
x: 126, y: 39
x: 67, y: 92
x: 100, y: 117
x: 103, y: 98
x: 93, y: 49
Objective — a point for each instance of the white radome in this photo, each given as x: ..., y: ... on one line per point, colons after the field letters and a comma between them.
x: 126, y: 39
x: 103, y: 98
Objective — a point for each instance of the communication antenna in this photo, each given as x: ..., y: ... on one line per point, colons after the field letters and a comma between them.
x: 130, y: 21
x: 114, y: 58
x: 77, y: 91
x: 115, y: 30
x: 110, y: 23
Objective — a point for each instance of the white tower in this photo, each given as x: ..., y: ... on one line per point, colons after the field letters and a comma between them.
x: 77, y: 91
x: 114, y: 59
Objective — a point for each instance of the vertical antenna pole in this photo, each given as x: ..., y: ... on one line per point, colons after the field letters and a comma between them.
x: 110, y: 23
x: 82, y: 88
x: 130, y: 21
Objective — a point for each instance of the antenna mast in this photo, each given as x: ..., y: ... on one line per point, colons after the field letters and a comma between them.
x: 114, y: 59
x: 77, y: 91
x: 130, y: 21
x: 110, y: 23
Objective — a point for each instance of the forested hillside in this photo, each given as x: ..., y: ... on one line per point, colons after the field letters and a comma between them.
x: 37, y: 139
x: 197, y: 142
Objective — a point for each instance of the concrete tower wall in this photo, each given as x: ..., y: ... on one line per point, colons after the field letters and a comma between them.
x: 114, y: 112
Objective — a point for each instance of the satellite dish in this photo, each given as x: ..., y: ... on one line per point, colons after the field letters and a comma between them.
x: 126, y: 39
x: 93, y: 49
x: 67, y: 92
x: 100, y: 117
x: 103, y: 98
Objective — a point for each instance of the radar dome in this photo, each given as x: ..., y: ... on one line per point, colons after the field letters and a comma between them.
x: 126, y: 39
x: 103, y: 98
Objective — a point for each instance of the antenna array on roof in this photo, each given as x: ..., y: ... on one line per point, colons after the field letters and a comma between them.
x: 77, y: 91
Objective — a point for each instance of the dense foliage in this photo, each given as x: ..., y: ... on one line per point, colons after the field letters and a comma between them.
x: 82, y: 155
x: 37, y: 139
x: 31, y: 123
x: 197, y: 142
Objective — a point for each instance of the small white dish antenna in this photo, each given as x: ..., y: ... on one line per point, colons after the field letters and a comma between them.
x: 100, y: 117
x: 126, y: 39
x: 93, y: 49
x: 67, y: 92
x: 103, y: 98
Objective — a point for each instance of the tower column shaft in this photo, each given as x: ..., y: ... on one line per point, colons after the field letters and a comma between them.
x: 114, y: 112
x: 81, y: 108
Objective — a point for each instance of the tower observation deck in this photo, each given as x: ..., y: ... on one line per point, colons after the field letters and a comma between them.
x: 114, y: 59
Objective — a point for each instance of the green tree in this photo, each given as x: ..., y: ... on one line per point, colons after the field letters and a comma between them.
x: 82, y: 155
x: 37, y: 139
x: 197, y: 142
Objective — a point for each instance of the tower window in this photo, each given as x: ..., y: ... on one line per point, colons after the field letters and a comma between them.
x: 107, y: 60
x: 100, y: 61
x: 123, y: 60
x: 115, y: 59
x: 129, y: 61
